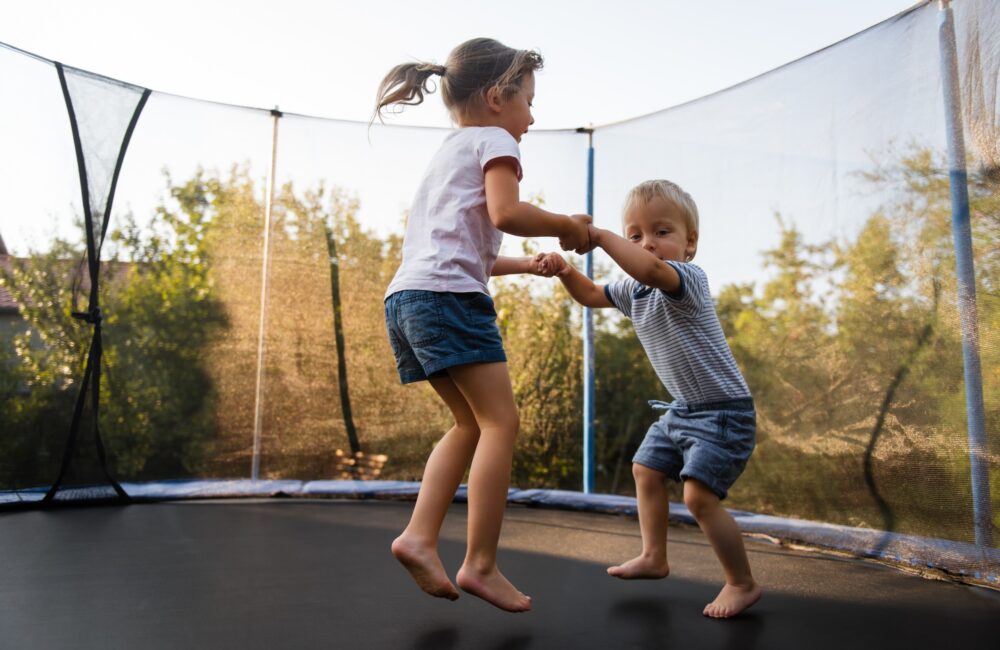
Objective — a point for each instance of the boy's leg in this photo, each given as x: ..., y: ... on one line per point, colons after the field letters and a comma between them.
x: 653, y: 502
x: 486, y: 388
x: 416, y: 547
x: 740, y: 590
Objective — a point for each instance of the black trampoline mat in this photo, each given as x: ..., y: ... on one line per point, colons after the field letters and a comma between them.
x: 318, y: 574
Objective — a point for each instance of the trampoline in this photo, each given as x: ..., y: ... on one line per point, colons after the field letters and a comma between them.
x: 229, y: 366
x: 289, y: 573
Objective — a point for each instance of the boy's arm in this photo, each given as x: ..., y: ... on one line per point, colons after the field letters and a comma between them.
x: 581, y: 288
x: 516, y: 217
x: 637, y: 261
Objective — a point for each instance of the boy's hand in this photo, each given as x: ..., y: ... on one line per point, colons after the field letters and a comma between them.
x: 578, y: 239
x: 549, y: 264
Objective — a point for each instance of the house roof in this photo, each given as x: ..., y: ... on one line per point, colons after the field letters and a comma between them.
x: 8, y: 305
x: 7, y: 302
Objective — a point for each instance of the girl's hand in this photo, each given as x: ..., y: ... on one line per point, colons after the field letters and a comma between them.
x: 578, y: 239
x: 538, y: 266
x: 549, y: 264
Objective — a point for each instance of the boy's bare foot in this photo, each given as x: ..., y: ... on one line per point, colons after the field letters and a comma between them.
x: 425, y: 566
x: 641, y: 568
x: 732, y: 600
x: 494, y: 588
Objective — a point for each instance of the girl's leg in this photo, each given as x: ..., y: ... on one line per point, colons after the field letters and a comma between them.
x: 416, y: 547
x: 653, y: 502
x: 486, y: 388
x: 740, y: 590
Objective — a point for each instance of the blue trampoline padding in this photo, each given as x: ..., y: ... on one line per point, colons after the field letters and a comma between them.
x: 957, y: 558
x: 376, y: 489
x: 29, y: 495
x: 362, y: 489
x: 610, y: 503
x: 181, y: 489
x: 164, y: 490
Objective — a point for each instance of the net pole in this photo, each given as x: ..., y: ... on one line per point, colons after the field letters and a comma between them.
x: 588, y: 339
x: 265, y: 275
x: 962, y: 233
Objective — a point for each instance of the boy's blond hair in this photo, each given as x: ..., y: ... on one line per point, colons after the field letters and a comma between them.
x: 646, y: 191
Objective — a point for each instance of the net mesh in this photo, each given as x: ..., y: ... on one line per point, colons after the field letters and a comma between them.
x: 825, y: 232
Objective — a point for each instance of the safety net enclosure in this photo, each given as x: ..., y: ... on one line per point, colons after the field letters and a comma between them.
x: 191, y: 294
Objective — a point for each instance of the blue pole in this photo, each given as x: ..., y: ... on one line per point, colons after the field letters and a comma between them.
x: 588, y: 341
x: 962, y: 232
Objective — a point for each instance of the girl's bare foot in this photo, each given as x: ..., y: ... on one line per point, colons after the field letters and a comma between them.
x: 732, y: 600
x: 425, y: 566
x: 641, y: 568
x: 494, y: 588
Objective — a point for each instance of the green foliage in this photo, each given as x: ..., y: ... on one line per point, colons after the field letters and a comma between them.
x: 156, y: 399
x: 162, y: 316
x: 859, y: 357
x: 782, y: 337
x: 400, y: 421
x: 545, y: 360
x: 624, y: 382
x: 38, y: 375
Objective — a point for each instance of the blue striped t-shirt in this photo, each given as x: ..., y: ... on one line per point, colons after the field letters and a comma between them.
x: 682, y: 337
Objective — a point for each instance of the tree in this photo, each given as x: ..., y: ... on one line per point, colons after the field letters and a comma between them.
x: 854, y: 359
x: 624, y: 382
x: 544, y: 354
x: 157, y: 401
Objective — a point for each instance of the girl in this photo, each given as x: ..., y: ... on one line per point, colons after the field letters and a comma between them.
x: 439, y: 315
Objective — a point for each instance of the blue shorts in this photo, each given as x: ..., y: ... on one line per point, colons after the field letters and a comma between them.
x: 710, y: 442
x: 431, y: 331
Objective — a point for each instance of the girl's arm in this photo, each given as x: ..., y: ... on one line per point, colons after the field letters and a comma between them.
x: 512, y: 265
x: 637, y: 261
x: 581, y: 288
x: 516, y: 217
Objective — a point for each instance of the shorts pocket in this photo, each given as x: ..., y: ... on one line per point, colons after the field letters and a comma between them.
x: 723, y: 430
x: 420, y: 319
x: 738, y: 427
x: 478, y: 308
x: 393, y: 341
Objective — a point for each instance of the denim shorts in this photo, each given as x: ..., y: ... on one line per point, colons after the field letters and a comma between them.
x: 430, y: 331
x: 710, y: 442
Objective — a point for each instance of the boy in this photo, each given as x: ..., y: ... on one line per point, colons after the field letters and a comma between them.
x: 707, y: 434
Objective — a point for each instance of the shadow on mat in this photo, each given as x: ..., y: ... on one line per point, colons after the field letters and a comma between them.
x: 447, y: 638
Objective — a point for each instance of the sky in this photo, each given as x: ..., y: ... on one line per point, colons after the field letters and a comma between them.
x: 604, y: 61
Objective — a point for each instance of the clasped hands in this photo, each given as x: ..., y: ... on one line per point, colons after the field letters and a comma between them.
x: 580, y: 240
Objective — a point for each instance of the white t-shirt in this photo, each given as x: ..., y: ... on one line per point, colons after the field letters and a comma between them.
x: 450, y: 243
